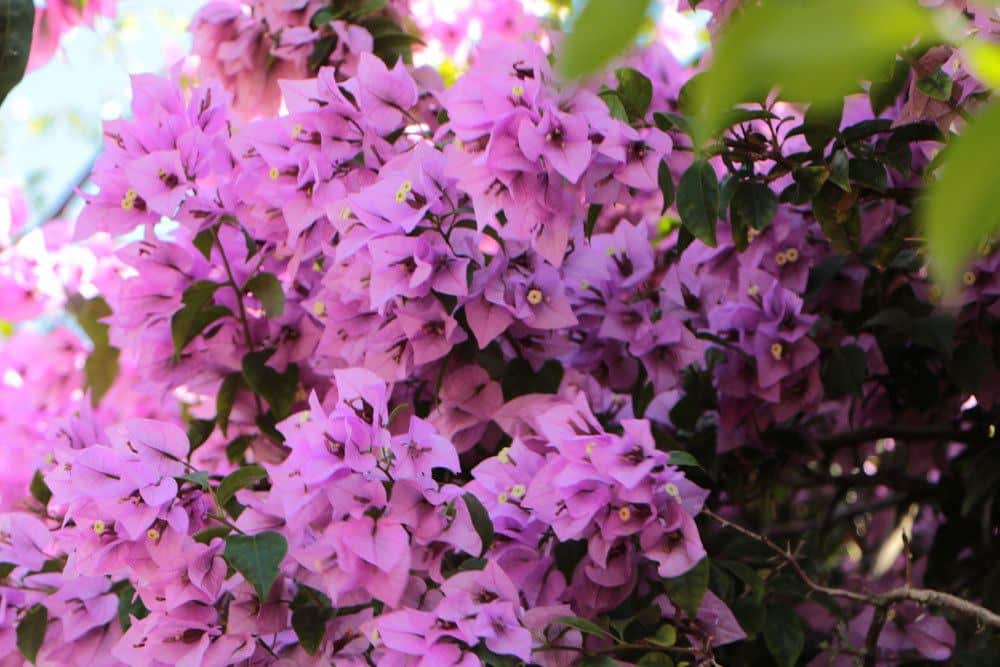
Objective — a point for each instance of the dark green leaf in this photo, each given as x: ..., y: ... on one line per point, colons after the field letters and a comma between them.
x: 592, y: 213
x: 257, y: 558
x: 666, y: 183
x: 278, y: 388
x: 821, y: 125
x: 666, y: 635
x: 635, y: 91
x: 671, y: 121
x: 6, y: 569
x: 129, y: 605
x: 883, y: 94
x: 784, y: 635
x: 687, y: 590
x: 815, y: 51
x: 203, y: 241
x: 753, y: 205
x: 100, y: 371
x: 311, y: 611
x: 936, y: 85
x: 267, y: 288
x: 198, y: 431
x: 520, y: 378
x: 188, y: 322
x: 39, y: 489
x: 698, y: 201
x: 868, y: 173
x: 838, y: 216
x: 17, y: 19
x: 237, y: 447
x: 480, y: 521
x: 225, y: 399
x: 603, y: 30
x: 840, y: 171
x: 240, y: 478
x: 865, y: 129
x: 31, y: 631
x: 199, y: 477
x: 209, y: 534
x: 583, y: 625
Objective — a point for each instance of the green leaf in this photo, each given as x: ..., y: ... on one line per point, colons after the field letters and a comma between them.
x: 267, y: 288
x: 671, y: 121
x: 868, y: 173
x: 17, y: 19
x: 783, y: 635
x: 196, y: 314
x: 199, y: 477
x: 257, y: 558
x: 583, y: 625
x: 6, y: 569
x: 278, y: 388
x: 666, y: 635
x: 100, y: 371
x: 209, y: 534
x: 203, y: 241
x: 635, y: 91
x: 614, y: 103
x: 821, y: 125
x: 129, y: 604
x: 237, y: 447
x: 698, y: 201
x: 655, y: 660
x: 31, y: 632
x: 480, y: 521
x: 840, y: 170
x: 936, y: 85
x: 225, y: 399
x: 815, y: 51
x: 603, y: 30
x: 311, y: 610
x: 683, y: 459
x: 198, y: 431
x: 592, y: 213
x: 687, y: 590
x: 753, y: 205
x: 39, y: 489
x: 960, y: 208
x: 883, y: 93
x: 240, y: 478
x: 666, y: 183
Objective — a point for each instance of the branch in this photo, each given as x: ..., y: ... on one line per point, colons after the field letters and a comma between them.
x: 880, y: 601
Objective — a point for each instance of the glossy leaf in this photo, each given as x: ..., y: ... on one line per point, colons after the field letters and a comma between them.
x: 698, y: 201
x: 257, y: 558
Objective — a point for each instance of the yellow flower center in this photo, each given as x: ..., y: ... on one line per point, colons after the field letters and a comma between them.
x: 503, y: 456
x: 128, y: 201
x: 518, y: 491
x: 777, y: 350
x: 792, y: 255
x: 752, y: 234
x: 935, y: 293
x: 99, y: 527
x: 534, y: 296
x: 502, y: 498
x: 584, y: 284
x: 611, y: 251
x: 49, y: 458
x: 345, y: 213
x: 404, y: 189
x: 781, y: 259
x: 296, y: 131
x: 273, y: 173
x: 153, y: 534
x: 969, y: 278
x: 319, y: 309
x: 624, y: 513
x: 672, y: 490
x: 375, y: 636
x: 517, y: 90
x: 753, y: 290
x: 590, y: 447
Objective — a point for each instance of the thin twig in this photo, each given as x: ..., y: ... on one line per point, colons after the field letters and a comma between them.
x: 922, y: 596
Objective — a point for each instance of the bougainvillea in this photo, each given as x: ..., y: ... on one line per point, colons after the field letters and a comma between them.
x: 350, y: 360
